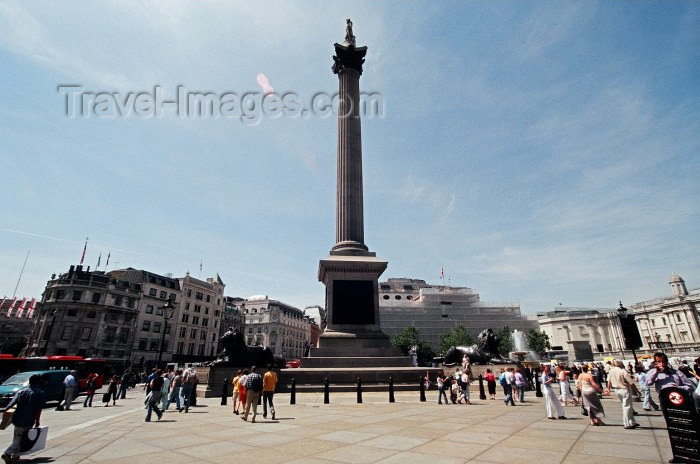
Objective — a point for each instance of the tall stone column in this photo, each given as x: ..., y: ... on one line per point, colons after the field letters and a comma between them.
x: 349, y: 233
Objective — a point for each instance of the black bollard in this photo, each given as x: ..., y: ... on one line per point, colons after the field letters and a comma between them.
x: 326, y: 392
x: 224, y: 393
x: 538, y: 392
x: 293, y: 394
x: 359, y: 390
x: 422, y: 388
x: 391, y: 390
x: 482, y: 393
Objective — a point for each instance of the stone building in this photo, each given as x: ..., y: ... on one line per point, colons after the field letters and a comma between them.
x: 151, y: 326
x: 17, y: 316
x: 279, y: 326
x: 231, y: 317
x: 198, y: 319
x: 581, y: 333
x: 435, y: 310
x: 670, y: 321
x: 86, y: 313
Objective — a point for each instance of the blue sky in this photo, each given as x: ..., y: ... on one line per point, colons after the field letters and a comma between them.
x: 541, y: 152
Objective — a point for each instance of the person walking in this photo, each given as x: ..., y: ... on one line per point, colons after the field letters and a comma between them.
x: 175, y: 386
x: 188, y: 381
x: 165, y: 390
x: 253, y: 385
x: 647, y: 401
x: 491, y: 383
x: 124, y: 384
x: 29, y: 401
x: 441, y: 389
x: 70, y: 384
x: 155, y: 395
x: 590, y: 388
x: 236, y: 382
x: 112, y: 391
x: 506, y: 381
x: 564, y: 393
x: 90, y: 387
x: 269, y: 384
x: 520, y: 384
x: 551, y: 401
x: 465, y: 380
x: 622, y: 384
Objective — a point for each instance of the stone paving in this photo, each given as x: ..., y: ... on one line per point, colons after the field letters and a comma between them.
x: 343, y: 431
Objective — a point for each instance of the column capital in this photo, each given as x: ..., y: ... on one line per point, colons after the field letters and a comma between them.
x: 348, y: 57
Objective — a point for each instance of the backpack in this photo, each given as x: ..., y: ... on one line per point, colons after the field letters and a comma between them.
x: 502, y: 379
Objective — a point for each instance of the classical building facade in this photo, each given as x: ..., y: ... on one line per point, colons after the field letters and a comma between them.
x: 151, y: 324
x: 670, y: 321
x: 86, y: 313
x: 198, y: 321
x: 17, y: 316
x: 435, y: 310
x: 582, y: 333
x: 279, y: 326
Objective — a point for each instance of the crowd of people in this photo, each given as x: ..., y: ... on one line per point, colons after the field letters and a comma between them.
x: 580, y: 384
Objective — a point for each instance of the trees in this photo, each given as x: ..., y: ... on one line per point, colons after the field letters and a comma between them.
x: 458, y: 336
x: 538, y: 341
x: 410, y: 337
x: 505, y: 341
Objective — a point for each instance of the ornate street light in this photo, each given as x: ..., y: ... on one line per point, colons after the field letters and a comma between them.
x: 168, y: 311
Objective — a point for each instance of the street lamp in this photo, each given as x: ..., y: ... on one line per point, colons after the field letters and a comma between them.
x: 168, y: 310
x: 630, y: 332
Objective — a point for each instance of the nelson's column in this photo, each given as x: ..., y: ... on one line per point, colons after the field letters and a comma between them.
x: 350, y: 273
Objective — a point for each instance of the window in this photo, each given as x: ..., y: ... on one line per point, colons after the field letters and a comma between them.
x: 67, y: 331
x: 60, y: 294
x: 386, y: 297
x: 198, y: 308
x: 189, y: 292
x: 663, y: 320
x: 91, y: 315
x: 118, y: 300
x: 110, y: 334
x: 206, y: 310
x: 208, y: 298
x: 185, y: 318
x: 96, y: 297
x: 180, y: 347
x: 146, y: 326
x: 653, y: 322
x: 123, y: 336
x: 156, y: 327
x: 152, y: 292
x: 203, y: 336
x: 183, y: 332
x: 72, y: 312
x: 187, y: 306
x: 163, y: 294
x: 159, y: 311
x: 678, y: 317
x: 149, y: 309
x: 130, y: 302
x: 250, y: 330
x: 193, y: 334
x: 190, y: 349
x: 213, y: 337
x: 153, y: 345
x: 77, y: 295
x: 195, y: 320
x: 171, y: 297
x: 199, y: 296
x: 205, y: 322
x: 216, y: 323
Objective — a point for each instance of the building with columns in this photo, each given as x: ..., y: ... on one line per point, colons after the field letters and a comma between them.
x: 279, y: 326
x: 582, y: 332
x: 670, y: 321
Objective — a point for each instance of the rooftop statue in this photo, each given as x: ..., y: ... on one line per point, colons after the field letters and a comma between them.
x: 349, y: 37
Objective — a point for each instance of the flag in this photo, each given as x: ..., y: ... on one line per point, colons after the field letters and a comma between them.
x: 82, y: 258
x: 20, y: 309
x: 3, y: 301
x: 12, y: 306
x: 200, y: 265
x: 442, y: 273
x: 32, y: 304
x: 108, y: 255
x: 99, y: 258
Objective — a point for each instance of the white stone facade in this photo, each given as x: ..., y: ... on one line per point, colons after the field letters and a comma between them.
x: 597, y: 326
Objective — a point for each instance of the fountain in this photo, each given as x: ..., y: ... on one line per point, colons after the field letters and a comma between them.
x: 522, y: 352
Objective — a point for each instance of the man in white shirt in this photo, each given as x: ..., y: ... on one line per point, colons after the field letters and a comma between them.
x: 70, y: 383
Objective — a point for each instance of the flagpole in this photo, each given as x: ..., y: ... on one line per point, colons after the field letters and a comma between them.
x: 20, y: 274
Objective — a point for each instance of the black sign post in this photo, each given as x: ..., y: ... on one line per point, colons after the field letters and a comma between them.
x: 682, y: 424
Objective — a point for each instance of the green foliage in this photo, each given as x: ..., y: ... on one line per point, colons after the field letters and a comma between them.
x: 458, y: 336
x: 538, y: 341
x: 410, y: 337
x: 505, y: 341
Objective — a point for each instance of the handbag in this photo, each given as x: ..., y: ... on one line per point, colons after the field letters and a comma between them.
x: 6, y: 418
x: 105, y: 397
x: 33, y: 440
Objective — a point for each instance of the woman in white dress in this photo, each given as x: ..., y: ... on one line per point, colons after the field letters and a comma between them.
x: 565, y: 395
x: 550, y: 400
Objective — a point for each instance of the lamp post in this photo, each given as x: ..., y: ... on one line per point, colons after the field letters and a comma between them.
x: 168, y: 310
x: 630, y: 332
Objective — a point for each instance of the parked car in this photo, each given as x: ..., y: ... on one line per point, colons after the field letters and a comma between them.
x: 51, y: 383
